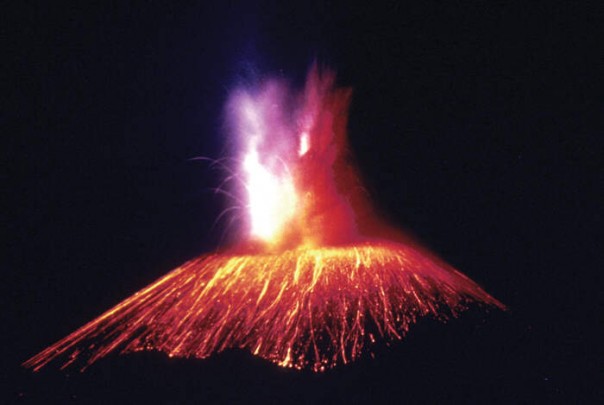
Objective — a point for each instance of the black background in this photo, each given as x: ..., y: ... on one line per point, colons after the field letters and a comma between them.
x: 476, y: 127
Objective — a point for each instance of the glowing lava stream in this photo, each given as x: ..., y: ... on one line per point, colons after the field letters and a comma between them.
x: 317, y: 279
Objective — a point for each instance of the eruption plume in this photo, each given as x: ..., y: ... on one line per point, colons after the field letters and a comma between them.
x: 315, y: 278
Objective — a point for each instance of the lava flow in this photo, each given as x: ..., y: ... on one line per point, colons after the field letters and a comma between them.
x: 316, y: 277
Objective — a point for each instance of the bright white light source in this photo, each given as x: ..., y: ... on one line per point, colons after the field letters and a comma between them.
x: 304, y: 144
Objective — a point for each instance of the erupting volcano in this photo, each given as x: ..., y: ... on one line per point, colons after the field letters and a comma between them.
x: 315, y: 278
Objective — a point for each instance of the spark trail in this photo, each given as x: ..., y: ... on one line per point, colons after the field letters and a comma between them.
x: 316, y: 277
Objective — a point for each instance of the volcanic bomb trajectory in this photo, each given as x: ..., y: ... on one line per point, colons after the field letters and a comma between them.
x: 316, y: 277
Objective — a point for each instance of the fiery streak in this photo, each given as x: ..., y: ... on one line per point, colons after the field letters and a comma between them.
x: 317, y: 279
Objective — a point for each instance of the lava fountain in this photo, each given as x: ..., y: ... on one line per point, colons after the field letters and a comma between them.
x: 315, y: 278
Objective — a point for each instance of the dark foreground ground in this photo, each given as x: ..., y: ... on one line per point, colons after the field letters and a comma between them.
x: 495, y: 358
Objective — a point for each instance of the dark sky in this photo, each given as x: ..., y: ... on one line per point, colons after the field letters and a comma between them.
x: 477, y: 127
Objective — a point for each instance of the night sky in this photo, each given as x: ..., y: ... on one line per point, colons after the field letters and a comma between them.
x: 476, y: 127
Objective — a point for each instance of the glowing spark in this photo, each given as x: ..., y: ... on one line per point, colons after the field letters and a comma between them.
x: 323, y: 278
x: 304, y: 144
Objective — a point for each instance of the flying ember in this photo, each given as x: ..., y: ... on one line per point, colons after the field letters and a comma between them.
x: 316, y: 277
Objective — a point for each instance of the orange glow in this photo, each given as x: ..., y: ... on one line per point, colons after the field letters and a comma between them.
x: 300, y: 308
x: 316, y: 278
